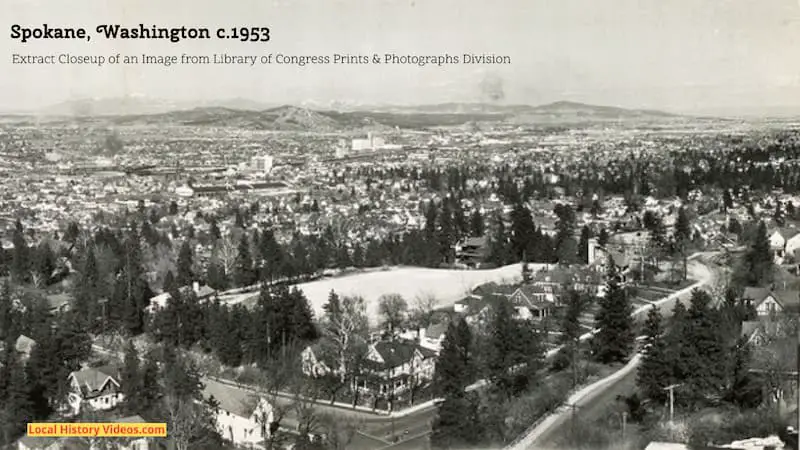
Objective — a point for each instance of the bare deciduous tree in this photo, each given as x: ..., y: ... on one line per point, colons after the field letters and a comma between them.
x: 345, y: 330
x: 394, y: 309
x: 187, y: 421
x: 423, y: 310
x: 227, y: 250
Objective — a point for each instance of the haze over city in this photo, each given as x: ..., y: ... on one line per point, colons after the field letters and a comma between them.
x: 725, y: 57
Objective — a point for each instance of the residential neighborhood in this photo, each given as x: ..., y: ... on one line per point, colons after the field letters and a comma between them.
x: 400, y: 225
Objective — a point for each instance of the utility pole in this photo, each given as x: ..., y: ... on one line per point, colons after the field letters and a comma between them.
x: 797, y: 389
x: 624, y: 423
x: 572, y: 420
x: 671, y: 389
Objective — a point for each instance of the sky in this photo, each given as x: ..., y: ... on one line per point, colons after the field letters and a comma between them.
x: 693, y: 56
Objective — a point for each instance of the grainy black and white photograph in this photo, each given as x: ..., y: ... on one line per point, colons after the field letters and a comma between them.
x: 399, y: 225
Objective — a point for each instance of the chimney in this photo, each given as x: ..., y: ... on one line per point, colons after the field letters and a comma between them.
x: 196, y: 287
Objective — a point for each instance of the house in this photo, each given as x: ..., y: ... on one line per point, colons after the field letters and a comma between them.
x: 133, y: 443
x: 433, y: 336
x: 472, y: 251
x: 41, y: 443
x: 776, y: 357
x: 397, y: 365
x: 59, y: 303
x: 241, y: 418
x: 769, y: 302
x: 390, y: 367
x: 761, y: 332
x: 533, y: 302
x: 201, y: 292
x: 784, y: 241
x: 315, y: 362
x: 24, y: 346
x: 666, y: 446
x: 96, y: 387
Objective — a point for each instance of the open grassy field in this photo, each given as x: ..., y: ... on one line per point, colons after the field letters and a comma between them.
x: 446, y: 285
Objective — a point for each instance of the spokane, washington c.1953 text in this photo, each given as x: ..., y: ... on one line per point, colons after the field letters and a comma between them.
x: 172, y: 34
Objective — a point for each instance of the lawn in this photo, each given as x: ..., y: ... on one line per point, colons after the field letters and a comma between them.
x: 446, y: 285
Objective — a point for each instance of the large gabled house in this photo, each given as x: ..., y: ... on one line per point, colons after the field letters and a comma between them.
x: 769, y: 302
x: 389, y: 368
x: 533, y: 301
x: 241, y: 418
x: 98, y: 388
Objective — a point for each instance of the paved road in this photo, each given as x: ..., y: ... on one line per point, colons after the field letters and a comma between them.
x: 596, y: 399
x: 588, y: 411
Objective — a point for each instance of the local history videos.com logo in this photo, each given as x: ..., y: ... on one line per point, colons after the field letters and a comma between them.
x: 123, y: 430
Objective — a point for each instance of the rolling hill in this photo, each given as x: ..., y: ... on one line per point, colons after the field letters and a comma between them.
x: 245, y: 114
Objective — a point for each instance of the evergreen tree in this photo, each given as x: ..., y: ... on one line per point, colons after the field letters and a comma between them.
x: 47, y: 375
x: 131, y: 379
x: 20, y: 262
x: 603, y: 238
x: 566, y: 247
x: 132, y: 293
x: 17, y: 407
x: 477, y: 227
x: 758, y: 263
x: 333, y: 307
x: 571, y: 330
x: 87, y: 291
x: 727, y: 200
x: 707, y: 352
x: 457, y: 424
x: 185, y: 276
x: 522, y: 240
x: 500, y: 252
x: 677, y: 345
x: 614, y: 340
x: 683, y: 238
x: 243, y: 270
x: 515, y: 352
x: 655, y: 371
x: 44, y: 263
x: 454, y: 366
x: 216, y: 234
x: 150, y: 392
x: 8, y: 314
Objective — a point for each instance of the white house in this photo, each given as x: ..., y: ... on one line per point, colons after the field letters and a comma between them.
x: 432, y: 337
x: 97, y: 387
x: 160, y: 300
x: 784, y: 241
x: 243, y: 419
x: 390, y: 367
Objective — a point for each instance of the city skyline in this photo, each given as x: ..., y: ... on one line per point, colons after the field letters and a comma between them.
x: 719, y: 57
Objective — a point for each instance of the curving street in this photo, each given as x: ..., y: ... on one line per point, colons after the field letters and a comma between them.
x: 591, y: 401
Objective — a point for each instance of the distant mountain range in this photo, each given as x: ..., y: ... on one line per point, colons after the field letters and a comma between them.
x: 337, y: 117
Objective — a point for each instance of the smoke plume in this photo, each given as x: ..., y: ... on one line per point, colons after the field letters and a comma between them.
x: 492, y: 89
